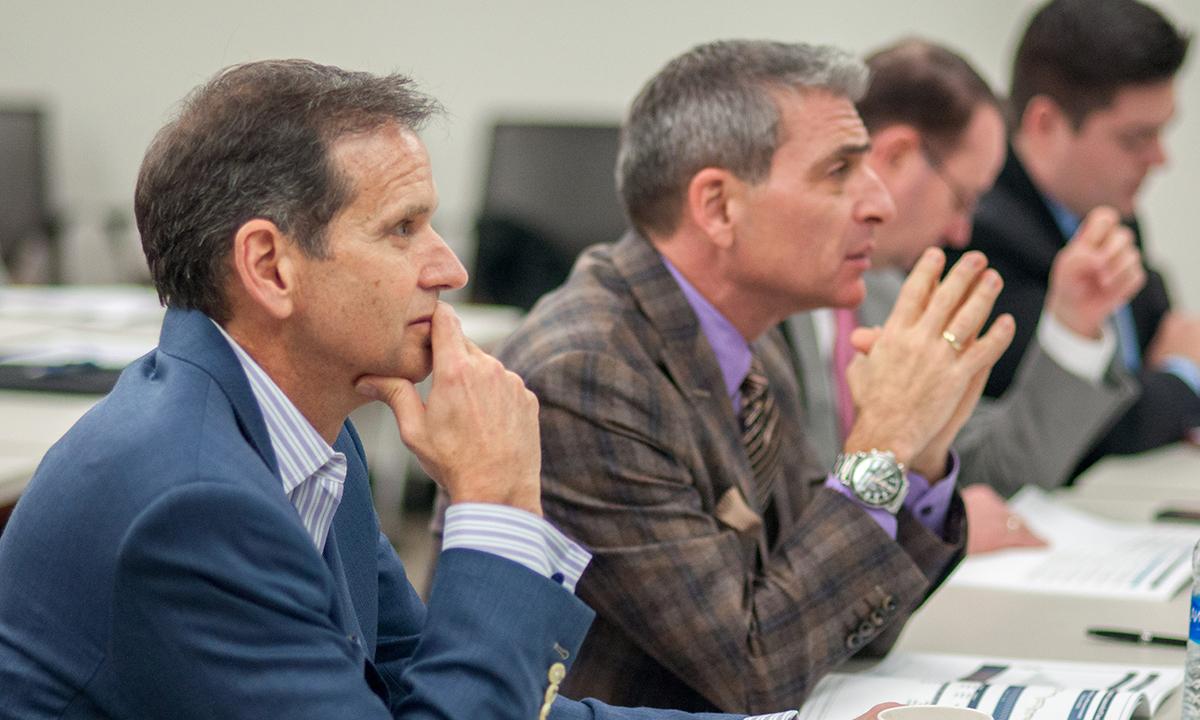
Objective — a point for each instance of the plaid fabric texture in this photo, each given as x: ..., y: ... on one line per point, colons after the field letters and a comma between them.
x: 639, y: 442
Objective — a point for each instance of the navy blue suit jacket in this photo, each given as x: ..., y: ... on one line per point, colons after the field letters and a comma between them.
x: 155, y: 568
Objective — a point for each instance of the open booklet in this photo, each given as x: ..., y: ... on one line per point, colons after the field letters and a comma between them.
x: 1087, y: 555
x: 1007, y: 689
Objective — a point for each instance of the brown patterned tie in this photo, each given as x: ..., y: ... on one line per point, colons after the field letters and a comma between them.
x: 760, y: 431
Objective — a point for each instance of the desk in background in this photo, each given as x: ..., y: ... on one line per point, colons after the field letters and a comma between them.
x: 110, y: 326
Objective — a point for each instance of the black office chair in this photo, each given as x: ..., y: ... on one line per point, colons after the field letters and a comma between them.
x: 550, y: 193
x: 27, y: 249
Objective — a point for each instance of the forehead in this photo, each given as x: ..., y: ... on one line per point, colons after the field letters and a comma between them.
x: 386, y: 161
x: 815, y: 123
x: 1150, y: 105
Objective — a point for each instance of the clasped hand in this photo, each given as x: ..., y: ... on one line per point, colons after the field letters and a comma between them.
x: 918, y: 378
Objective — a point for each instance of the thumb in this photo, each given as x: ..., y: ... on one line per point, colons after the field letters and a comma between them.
x: 864, y: 338
x: 404, y: 400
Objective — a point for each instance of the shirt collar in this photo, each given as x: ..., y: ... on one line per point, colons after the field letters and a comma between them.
x: 1067, y: 221
x: 299, y: 448
x: 731, y: 349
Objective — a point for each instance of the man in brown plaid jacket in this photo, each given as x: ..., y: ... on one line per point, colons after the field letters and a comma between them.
x: 729, y: 571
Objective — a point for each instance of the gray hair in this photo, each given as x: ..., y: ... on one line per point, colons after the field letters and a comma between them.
x: 254, y: 142
x: 713, y: 107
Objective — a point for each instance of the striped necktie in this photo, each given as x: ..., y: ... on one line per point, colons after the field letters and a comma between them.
x: 759, y: 417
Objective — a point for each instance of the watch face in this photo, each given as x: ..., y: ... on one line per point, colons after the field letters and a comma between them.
x: 877, y: 481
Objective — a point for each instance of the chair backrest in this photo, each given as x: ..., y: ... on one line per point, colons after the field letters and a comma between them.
x: 24, y: 212
x: 550, y: 193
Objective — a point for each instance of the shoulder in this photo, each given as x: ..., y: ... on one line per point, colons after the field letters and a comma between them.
x: 593, y: 313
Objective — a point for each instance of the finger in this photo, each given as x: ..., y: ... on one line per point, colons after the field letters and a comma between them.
x: 1096, y: 226
x: 918, y: 286
x: 1026, y: 538
x: 446, y: 337
x: 1117, y: 244
x: 974, y: 311
x: 988, y: 348
x: 1127, y: 265
x: 953, y: 291
x: 404, y: 400
x: 863, y: 338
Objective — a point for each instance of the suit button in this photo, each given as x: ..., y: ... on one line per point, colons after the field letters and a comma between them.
x: 876, y: 618
x: 866, y: 629
x: 853, y: 642
x: 888, y: 605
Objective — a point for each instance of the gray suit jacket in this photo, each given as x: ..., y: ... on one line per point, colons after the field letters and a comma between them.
x: 643, y: 463
x: 1035, y: 434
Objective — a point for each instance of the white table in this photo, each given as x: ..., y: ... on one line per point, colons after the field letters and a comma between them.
x: 1015, y: 624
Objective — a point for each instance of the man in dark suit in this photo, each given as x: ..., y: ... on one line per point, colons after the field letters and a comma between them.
x: 202, y: 543
x: 1092, y: 91
x: 729, y: 570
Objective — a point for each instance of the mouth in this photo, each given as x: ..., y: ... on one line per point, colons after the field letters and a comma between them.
x: 424, y: 320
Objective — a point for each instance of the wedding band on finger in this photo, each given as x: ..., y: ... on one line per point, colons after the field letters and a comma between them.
x: 1013, y: 523
x: 953, y: 340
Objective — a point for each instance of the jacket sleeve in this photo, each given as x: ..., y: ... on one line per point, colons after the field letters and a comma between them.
x: 1041, y: 428
x: 222, y: 609
x: 748, y: 637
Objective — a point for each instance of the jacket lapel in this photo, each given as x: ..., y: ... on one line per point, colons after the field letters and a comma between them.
x: 686, y: 355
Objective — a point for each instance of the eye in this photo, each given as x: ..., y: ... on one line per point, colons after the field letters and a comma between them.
x: 839, y: 169
x: 404, y: 229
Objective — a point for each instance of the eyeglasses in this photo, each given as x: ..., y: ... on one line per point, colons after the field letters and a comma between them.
x: 964, y: 200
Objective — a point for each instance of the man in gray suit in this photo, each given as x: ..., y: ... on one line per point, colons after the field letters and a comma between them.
x: 937, y: 145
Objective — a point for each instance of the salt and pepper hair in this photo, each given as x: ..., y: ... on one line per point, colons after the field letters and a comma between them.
x: 254, y: 142
x: 715, y: 106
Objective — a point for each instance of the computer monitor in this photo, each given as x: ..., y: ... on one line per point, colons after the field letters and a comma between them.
x: 23, y: 207
x: 550, y: 193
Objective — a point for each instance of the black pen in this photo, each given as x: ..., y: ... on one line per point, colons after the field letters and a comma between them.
x: 1144, y: 637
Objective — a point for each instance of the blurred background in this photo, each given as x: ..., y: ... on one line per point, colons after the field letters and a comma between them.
x: 103, y: 77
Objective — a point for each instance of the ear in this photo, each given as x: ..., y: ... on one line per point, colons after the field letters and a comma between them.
x: 894, y: 148
x: 709, y: 205
x: 265, y: 266
x: 896, y: 156
x: 1044, y: 119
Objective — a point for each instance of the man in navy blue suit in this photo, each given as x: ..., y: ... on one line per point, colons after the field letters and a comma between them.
x: 202, y: 543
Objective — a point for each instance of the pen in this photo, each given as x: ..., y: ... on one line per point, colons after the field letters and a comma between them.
x: 1144, y: 637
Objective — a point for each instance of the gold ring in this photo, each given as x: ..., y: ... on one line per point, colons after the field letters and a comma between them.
x: 1013, y: 523
x: 953, y: 340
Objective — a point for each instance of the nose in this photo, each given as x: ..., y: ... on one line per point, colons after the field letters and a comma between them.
x: 442, y: 269
x: 1157, y: 153
x: 875, y: 203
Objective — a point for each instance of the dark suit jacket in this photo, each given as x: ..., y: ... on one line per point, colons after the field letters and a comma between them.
x: 1015, y: 229
x: 155, y: 568
x: 640, y: 446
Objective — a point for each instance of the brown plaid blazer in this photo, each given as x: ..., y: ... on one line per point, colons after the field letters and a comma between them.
x: 640, y: 444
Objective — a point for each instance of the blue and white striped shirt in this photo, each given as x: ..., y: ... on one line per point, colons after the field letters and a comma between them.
x: 314, y: 474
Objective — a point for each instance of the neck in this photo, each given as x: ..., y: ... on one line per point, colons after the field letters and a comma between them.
x: 1038, y: 165
x: 309, y: 389
x: 704, y: 267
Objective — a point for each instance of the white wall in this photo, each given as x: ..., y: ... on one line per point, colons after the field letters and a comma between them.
x: 112, y: 72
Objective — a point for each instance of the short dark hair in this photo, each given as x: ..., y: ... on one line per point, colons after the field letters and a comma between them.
x: 713, y: 107
x: 253, y: 142
x: 1080, y: 53
x: 927, y: 86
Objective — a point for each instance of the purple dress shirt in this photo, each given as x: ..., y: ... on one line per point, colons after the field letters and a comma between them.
x: 927, y: 504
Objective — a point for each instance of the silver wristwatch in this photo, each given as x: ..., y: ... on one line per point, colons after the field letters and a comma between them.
x: 875, y: 478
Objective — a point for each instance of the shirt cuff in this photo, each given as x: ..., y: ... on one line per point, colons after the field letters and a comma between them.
x: 1184, y: 369
x: 789, y: 715
x: 1083, y: 357
x: 515, y: 535
x: 928, y: 505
